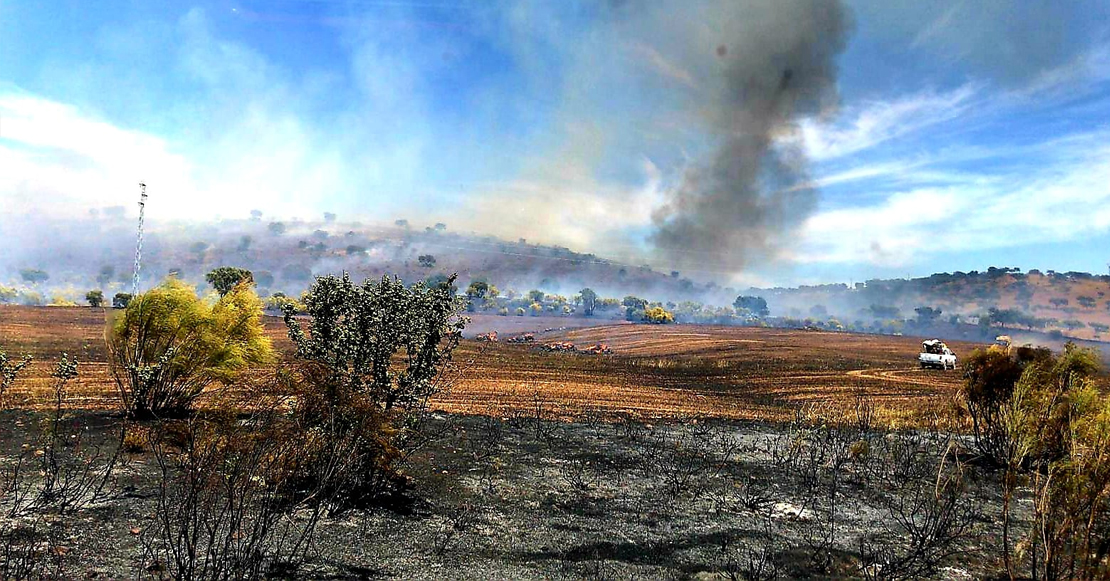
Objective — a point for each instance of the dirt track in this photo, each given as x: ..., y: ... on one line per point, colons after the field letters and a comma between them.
x: 656, y: 371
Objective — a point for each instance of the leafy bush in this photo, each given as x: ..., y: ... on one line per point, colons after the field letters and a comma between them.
x: 169, y: 345
x: 373, y: 356
x: 1041, y: 418
x: 1059, y: 432
x: 990, y: 377
x: 658, y: 315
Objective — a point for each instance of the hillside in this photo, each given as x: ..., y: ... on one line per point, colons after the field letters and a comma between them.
x: 98, y: 252
x: 1073, y: 304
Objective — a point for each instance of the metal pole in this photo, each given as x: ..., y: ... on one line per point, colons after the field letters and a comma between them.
x: 139, y: 244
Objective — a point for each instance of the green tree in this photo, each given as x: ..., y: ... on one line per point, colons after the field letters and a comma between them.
x: 536, y: 295
x: 755, y: 305
x: 276, y: 228
x: 296, y: 272
x: 373, y: 355
x: 1073, y: 324
x: 426, y: 260
x: 121, y: 300
x: 199, y: 248
x: 589, y: 301
x: 440, y: 279
x: 168, y: 345
x: 95, y: 298
x: 225, y: 278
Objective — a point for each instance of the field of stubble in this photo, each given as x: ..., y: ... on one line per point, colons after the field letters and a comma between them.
x: 673, y: 371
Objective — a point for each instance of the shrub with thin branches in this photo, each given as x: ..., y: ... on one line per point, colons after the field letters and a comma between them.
x: 169, y: 345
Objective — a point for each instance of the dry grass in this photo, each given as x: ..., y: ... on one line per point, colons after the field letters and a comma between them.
x: 656, y: 372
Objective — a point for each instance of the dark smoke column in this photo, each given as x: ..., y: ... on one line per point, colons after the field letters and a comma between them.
x: 778, y: 60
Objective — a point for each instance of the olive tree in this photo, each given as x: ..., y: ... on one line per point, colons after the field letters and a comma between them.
x: 355, y: 331
x: 589, y: 301
x: 225, y: 278
x: 168, y: 345
x: 121, y: 300
x: 755, y: 305
x: 95, y: 298
x: 372, y: 356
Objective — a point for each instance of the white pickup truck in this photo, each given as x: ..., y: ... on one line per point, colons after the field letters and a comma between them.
x: 934, y: 353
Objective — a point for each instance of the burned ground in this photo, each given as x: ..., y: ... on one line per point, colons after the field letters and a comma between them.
x: 527, y: 497
x: 722, y: 452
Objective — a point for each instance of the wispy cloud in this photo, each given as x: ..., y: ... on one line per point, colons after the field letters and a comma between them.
x: 872, y: 123
x: 1065, y: 198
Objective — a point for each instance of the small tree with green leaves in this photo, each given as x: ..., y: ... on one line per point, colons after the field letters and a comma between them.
x: 589, y: 301
x: 476, y: 293
x: 168, y: 345
x: 95, y: 298
x: 225, y: 278
x: 373, y: 355
x: 121, y: 300
x: 757, y: 306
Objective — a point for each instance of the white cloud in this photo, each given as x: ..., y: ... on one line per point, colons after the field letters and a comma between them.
x: 876, y: 122
x: 1066, y: 198
x: 58, y: 160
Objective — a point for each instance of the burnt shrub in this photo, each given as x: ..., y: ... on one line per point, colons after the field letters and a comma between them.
x: 990, y: 375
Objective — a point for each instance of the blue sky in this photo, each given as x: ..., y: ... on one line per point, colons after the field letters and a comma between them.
x: 963, y: 134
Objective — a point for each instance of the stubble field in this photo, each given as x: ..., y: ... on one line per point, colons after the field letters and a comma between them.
x: 655, y: 372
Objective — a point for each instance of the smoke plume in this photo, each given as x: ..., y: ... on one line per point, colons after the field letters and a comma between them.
x: 777, y: 63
